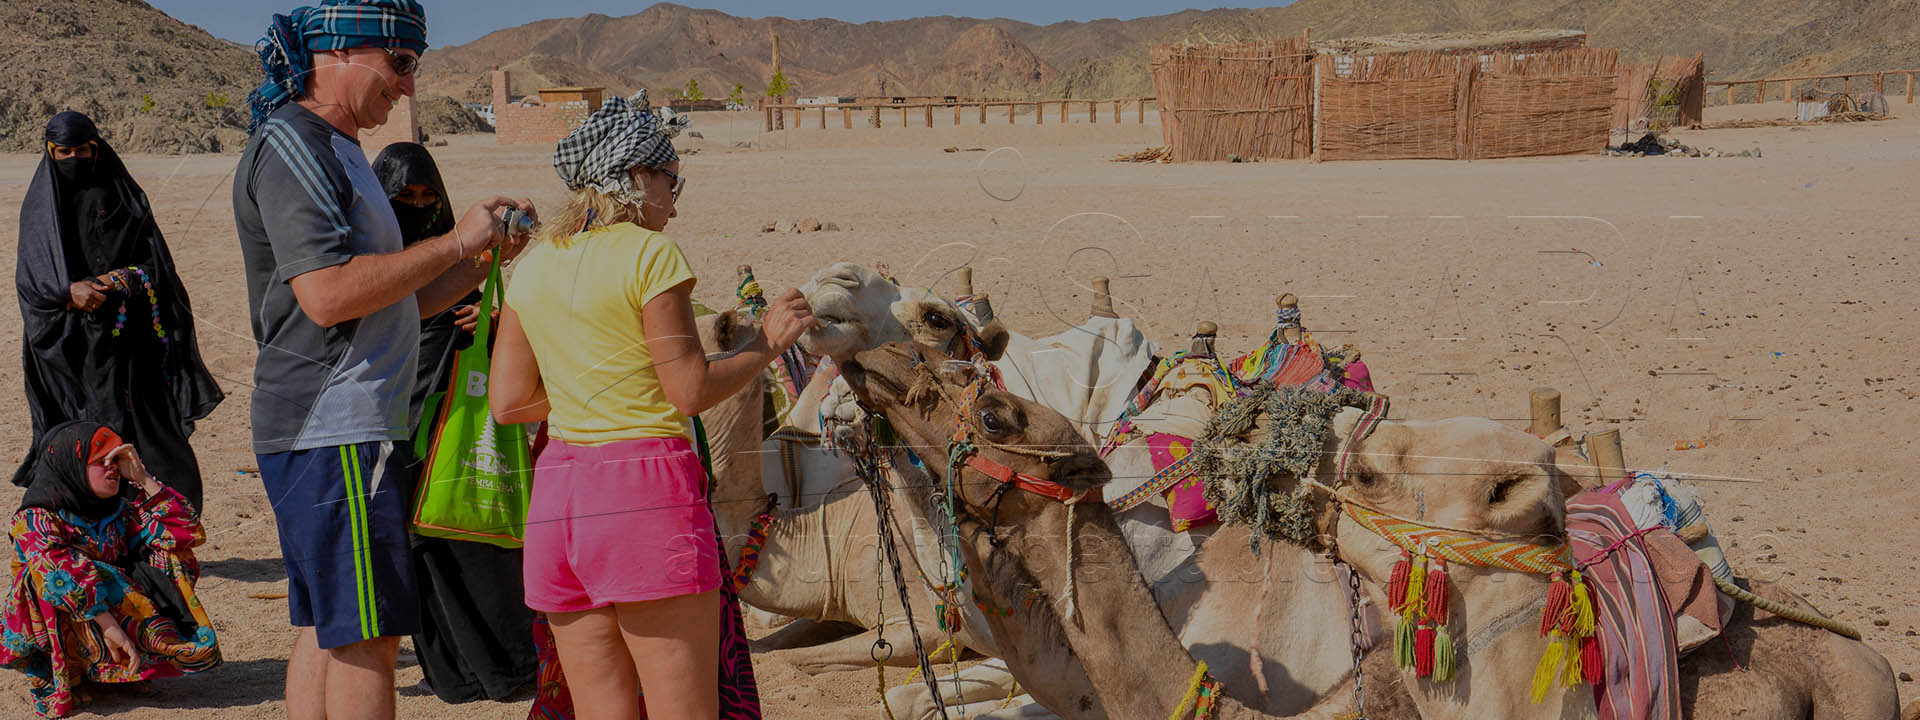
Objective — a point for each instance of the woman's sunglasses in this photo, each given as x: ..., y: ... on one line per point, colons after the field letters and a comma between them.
x: 678, y: 182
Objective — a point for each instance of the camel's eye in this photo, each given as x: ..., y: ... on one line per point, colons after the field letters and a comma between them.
x: 991, y: 422
x: 1503, y: 488
x: 934, y: 319
x: 1366, y: 478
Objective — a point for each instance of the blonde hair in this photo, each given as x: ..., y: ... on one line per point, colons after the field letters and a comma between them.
x: 572, y: 220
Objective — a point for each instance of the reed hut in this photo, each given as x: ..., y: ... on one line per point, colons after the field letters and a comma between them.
x: 1235, y: 100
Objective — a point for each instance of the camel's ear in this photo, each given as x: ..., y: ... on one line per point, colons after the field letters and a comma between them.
x: 725, y: 326
x: 1345, y: 421
x: 731, y: 331
x: 993, y: 340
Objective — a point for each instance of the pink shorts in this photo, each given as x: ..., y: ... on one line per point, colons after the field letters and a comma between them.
x: 622, y: 522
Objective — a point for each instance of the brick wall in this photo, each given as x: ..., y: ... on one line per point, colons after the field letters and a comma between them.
x: 515, y: 124
x: 402, y: 126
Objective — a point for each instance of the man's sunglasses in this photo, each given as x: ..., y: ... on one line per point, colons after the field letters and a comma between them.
x: 402, y: 65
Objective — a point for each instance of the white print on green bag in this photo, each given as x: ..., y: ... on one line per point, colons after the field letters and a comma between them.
x: 476, y: 384
x: 484, y: 458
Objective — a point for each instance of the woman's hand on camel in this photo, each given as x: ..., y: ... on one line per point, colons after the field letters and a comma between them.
x: 119, y: 646
x: 787, y: 317
x: 127, y: 461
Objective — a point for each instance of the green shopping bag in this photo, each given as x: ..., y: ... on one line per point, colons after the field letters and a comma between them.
x: 479, y: 474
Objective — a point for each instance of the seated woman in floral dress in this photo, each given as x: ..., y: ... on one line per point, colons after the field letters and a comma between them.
x: 103, y: 572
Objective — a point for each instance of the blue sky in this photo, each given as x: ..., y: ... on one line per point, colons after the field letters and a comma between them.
x: 453, y: 23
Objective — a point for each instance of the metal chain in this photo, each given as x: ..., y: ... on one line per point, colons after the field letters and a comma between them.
x: 1356, y: 639
x: 868, y: 466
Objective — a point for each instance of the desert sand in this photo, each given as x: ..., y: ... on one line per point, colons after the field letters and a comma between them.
x: 1763, y: 306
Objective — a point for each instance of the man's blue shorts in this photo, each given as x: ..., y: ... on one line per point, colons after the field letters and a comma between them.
x: 343, y: 514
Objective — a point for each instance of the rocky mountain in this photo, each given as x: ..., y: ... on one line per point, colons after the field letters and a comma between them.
x: 664, y: 45
x: 152, y: 83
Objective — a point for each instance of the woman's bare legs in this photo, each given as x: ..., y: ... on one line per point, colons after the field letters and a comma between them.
x: 598, y: 667
x: 675, y: 644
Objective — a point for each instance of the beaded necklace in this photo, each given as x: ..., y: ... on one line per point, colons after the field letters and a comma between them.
x: 121, y: 280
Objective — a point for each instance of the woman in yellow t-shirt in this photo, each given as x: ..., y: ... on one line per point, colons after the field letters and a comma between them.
x: 598, y: 339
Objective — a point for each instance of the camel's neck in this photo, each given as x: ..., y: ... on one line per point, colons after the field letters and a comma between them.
x: 1111, y: 622
x: 733, y: 437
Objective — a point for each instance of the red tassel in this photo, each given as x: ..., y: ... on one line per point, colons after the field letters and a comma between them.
x: 1437, y: 592
x: 1590, y: 667
x: 1397, y: 582
x: 1423, y: 651
x: 1559, y: 594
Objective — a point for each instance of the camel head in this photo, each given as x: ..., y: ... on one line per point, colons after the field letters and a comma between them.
x: 919, y: 389
x: 1464, y: 472
x: 858, y: 309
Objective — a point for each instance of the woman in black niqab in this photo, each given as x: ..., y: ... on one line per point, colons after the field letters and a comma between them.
x: 82, y: 219
x: 476, y: 633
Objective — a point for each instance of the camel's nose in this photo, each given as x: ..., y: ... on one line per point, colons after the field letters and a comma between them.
x: 1082, y: 470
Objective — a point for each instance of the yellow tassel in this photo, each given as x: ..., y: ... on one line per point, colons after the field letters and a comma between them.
x: 1582, y: 609
x: 1549, y: 667
x: 1416, y: 589
x: 1572, y: 676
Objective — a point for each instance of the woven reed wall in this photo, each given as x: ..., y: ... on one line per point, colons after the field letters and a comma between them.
x: 1391, y: 107
x: 1249, y: 99
x: 1553, y: 103
x: 1634, y: 96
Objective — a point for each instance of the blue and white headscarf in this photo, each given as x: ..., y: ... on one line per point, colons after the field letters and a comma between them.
x: 286, y: 53
x: 622, y: 134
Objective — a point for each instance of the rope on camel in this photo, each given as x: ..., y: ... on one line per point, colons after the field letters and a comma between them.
x: 1791, y: 613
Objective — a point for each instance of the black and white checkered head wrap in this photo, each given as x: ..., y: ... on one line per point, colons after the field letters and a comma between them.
x: 622, y: 134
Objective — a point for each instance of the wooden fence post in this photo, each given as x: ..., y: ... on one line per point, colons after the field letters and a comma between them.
x: 1063, y: 112
x: 1880, y: 83
x: 956, y: 116
x: 1093, y: 111
x: 1607, y: 456
x: 983, y: 113
x: 1010, y: 110
x: 929, y: 116
x: 1546, y: 412
x: 1730, y: 93
x: 875, y: 116
x: 1846, y: 84
x: 767, y: 110
x: 1039, y: 113
x: 1142, y: 110
x: 846, y: 117
x: 1909, y: 88
x: 1102, y: 298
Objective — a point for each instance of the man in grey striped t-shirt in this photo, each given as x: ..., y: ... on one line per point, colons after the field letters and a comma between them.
x: 336, y: 301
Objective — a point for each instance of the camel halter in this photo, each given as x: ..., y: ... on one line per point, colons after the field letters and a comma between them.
x: 1418, y: 590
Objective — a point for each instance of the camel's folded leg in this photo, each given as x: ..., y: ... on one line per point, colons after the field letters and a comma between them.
x: 855, y: 652
x: 803, y: 632
x: 978, y: 693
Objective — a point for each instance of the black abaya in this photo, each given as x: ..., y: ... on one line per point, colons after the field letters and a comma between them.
x: 476, y: 633
x: 148, y: 388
